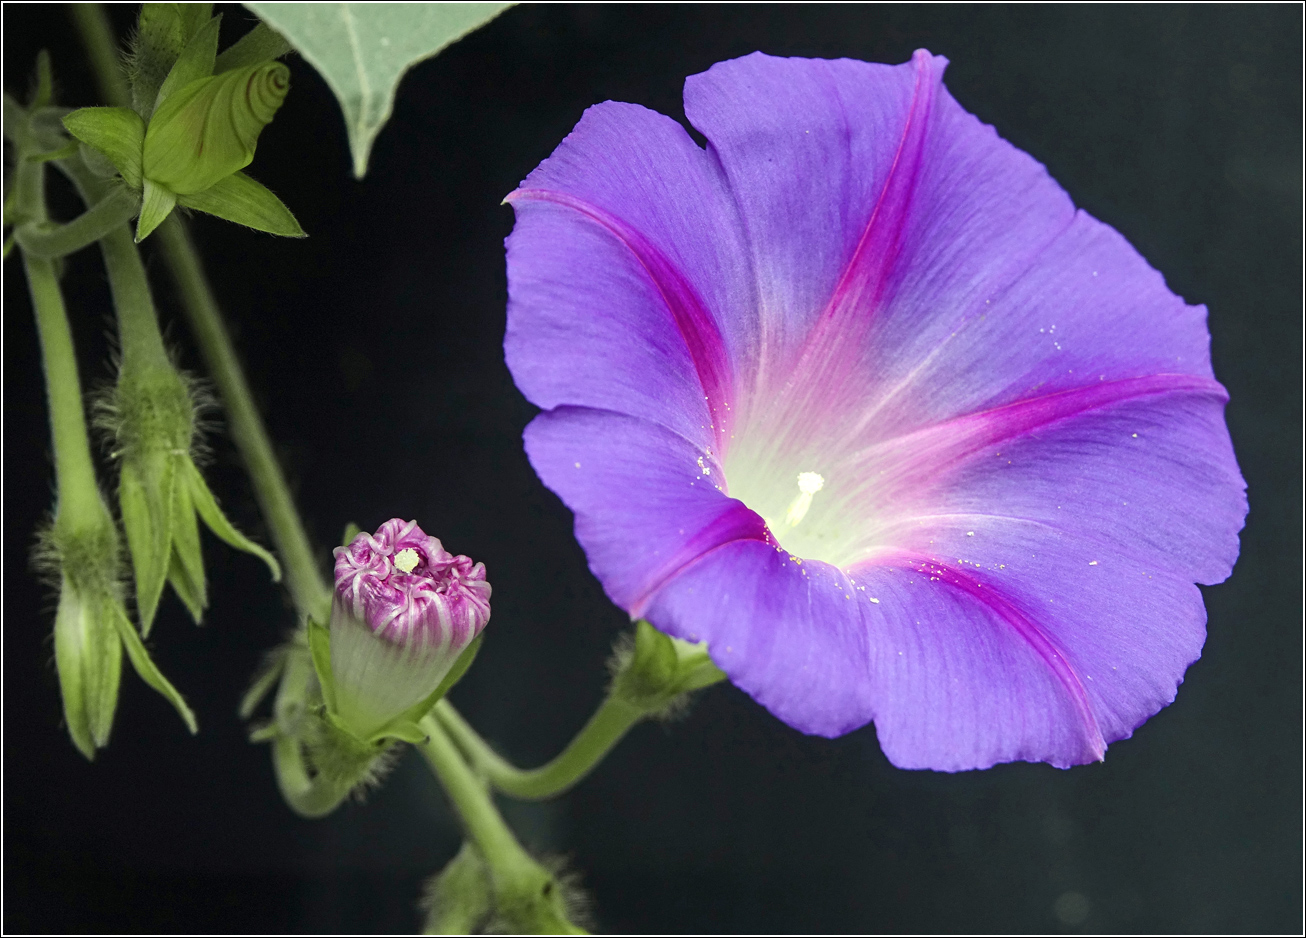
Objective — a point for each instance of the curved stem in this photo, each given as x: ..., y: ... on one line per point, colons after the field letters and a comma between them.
x: 484, y: 823
x: 308, y: 797
x: 52, y: 240
x: 595, y: 740
x: 78, y: 493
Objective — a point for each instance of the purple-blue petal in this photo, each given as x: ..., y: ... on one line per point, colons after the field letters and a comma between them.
x: 646, y: 500
x: 1023, y: 457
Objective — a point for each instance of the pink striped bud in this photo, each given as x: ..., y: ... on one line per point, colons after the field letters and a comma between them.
x: 404, y: 609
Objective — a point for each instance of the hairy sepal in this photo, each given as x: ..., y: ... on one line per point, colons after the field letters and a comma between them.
x: 116, y: 132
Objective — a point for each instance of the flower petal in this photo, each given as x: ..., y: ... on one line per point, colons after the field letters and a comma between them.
x: 820, y: 156
x: 954, y: 679
x: 794, y: 634
x: 645, y: 500
x: 624, y: 266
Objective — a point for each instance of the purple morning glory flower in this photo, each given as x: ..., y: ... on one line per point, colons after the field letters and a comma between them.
x: 858, y: 397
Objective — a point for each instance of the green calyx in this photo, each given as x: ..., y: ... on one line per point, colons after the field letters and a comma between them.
x: 403, y: 727
x: 318, y: 762
x: 468, y: 898
x: 654, y: 671
x: 190, y: 131
x: 91, y: 627
x: 162, y: 494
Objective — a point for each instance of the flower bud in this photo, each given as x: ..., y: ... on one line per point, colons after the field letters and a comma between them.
x: 208, y: 129
x: 88, y: 655
x: 81, y: 552
x: 403, y: 611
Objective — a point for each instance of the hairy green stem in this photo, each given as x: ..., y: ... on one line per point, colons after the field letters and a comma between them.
x: 595, y: 740
x: 308, y: 797
x: 53, y: 240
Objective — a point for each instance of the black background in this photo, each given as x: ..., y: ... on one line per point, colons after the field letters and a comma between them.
x: 375, y: 349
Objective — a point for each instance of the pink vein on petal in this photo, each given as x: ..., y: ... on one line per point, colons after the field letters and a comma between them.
x: 862, y: 283
x: 963, y: 436
x: 1038, y: 641
x: 737, y: 523
x: 697, y: 327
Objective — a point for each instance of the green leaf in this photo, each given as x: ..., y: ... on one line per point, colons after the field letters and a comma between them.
x: 242, y: 200
x: 269, y: 672
x: 351, y: 531
x: 149, y: 672
x: 145, y: 499
x: 70, y: 150
x: 195, y: 62
x: 157, y: 205
x: 186, y: 565
x: 363, y: 50
x: 319, y: 646
x: 188, y: 591
x: 193, y: 17
x: 260, y: 44
x: 117, y: 132
x: 208, y: 509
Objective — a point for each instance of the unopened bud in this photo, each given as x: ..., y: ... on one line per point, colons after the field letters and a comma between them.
x: 209, y: 128
x: 403, y: 612
x: 87, y: 649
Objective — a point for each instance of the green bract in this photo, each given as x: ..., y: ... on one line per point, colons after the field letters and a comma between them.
x: 208, y: 129
x: 161, y: 492
x: 190, y: 131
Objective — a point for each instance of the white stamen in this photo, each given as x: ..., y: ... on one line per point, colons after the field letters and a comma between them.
x: 406, y: 560
x: 809, y: 483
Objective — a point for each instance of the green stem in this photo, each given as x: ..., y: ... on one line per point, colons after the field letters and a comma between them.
x: 53, y: 240
x: 138, y: 323
x: 308, y: 588
x: 78, y: 493
x: 97, y: 35
x: 595, y: 740
x: 79, y: 496
x: 307, y: 797
x: 472, y: 800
